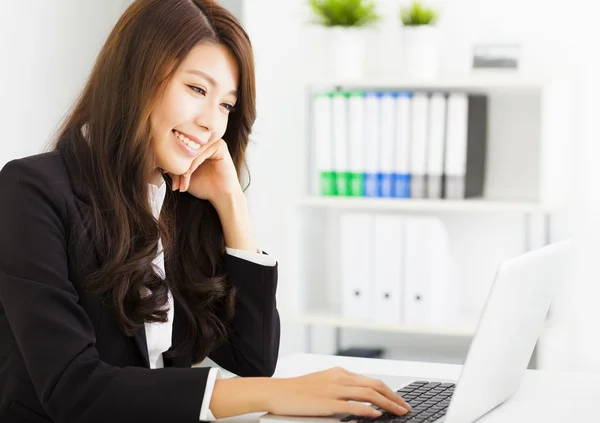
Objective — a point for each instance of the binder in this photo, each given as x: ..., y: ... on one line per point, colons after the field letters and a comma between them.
x: 356, y: 260
x: 356, y: 136
x: 466, y: 146
x: 386, y: 151
x: 389, y: 270
x: 402, y: 145
x: 436, y: 142
x: 372, y: 144
x: 418, y: 145
x: 323, y: 136
x: 430, y: 289
x: 340, y: 142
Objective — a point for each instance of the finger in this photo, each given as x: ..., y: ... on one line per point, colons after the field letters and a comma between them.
x: 374, y: 397
x: 185, y: 179
x: 384, y: 390
x: 355, y: 408
x: 210, y: 150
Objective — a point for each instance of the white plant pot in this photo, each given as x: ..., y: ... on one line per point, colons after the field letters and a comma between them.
x: 420, y: 46
x: 347, y: 53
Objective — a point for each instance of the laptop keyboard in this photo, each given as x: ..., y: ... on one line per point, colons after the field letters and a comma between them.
x: 429, y: 401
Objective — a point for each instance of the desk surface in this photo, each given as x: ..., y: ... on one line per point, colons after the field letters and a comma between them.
x: 543, y: 396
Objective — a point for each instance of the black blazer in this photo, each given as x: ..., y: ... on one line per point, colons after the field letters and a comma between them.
x: 62, y: 356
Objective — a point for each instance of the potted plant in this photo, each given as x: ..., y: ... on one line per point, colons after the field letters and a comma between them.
x: 345, y: 21
x: 420, y: 40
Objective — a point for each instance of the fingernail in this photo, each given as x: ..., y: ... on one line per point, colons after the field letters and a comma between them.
x: 401, y: 410
x: 376, y: 413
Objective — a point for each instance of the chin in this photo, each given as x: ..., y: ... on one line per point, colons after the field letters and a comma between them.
x: 176, y: 166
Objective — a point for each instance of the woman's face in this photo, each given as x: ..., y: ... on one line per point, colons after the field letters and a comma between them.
x: 194, y: 108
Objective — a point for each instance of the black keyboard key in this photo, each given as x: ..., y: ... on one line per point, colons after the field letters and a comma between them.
x: 401, y: 419
x: 432, y: 385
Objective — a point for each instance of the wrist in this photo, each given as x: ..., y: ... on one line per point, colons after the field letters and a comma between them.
x: 236, y: 396
x: 229, y: 202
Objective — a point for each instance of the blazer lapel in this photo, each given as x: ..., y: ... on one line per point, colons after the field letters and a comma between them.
x: 140, y: 341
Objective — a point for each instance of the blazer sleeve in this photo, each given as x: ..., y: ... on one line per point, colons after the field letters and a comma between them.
x: 252, y: 348
x: 52, y: 331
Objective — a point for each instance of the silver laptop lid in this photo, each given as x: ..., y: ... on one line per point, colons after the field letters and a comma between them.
x: 511, y: 322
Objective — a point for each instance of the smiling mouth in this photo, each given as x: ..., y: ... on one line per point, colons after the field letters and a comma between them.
x: 191, y: 144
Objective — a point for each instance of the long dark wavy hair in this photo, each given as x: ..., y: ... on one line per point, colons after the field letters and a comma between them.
x: 141, y: 54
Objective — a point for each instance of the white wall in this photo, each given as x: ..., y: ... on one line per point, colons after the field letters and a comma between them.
x: 47, y: 50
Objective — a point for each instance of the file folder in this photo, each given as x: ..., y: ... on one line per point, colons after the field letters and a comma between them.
x: 389, y: 268
x: 356, y: 260
x: 466, y: 146
x: 436, y: 143
x: 387, y: 150
x: 418, y: 146
x: 323, y: 142
x: 402, y: 145
x: 340, y: 143
x: 430, y: 290
x: 373, y: 142
x: 357, y: 136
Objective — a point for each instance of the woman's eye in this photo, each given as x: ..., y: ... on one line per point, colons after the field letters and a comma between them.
x: 229, y: 107
x: 198, y: 89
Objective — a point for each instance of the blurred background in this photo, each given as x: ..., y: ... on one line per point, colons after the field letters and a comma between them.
x: 479, y: 142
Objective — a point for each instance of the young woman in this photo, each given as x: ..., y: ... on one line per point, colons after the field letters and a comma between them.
x: 126, y: 253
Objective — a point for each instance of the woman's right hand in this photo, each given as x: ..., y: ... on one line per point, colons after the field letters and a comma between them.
x: 331, y: 392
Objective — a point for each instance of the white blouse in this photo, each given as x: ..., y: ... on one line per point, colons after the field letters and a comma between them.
x: 159, y: 335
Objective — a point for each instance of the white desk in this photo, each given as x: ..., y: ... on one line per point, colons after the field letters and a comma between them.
x: 543, y: 396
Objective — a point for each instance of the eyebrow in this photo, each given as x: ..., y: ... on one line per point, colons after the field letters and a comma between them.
x: 209, y: 79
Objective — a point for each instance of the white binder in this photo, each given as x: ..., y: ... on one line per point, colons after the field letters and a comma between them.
x: 340, y: 142
x: 356, y: 261
x: 430, y: 290
x: 372, y: 142
x: 418, y: 145
x: 387, y: 150
x: 389, y: 268
x: 356, y: 118
x: 323, y: 142
x: 402, y: 145
x: 456, y: 145
x: 435, y: 144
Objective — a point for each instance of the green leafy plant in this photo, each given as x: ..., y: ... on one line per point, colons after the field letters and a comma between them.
x: 416, y: 14
x: 348, y: 13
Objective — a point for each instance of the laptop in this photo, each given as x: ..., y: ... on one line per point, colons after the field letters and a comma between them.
x: 511, y: 322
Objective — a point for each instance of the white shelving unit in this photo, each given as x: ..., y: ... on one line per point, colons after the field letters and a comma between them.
x: 419, y: 205
x: 464, y: 328
x: 488, y: 82
x: 526, y: 135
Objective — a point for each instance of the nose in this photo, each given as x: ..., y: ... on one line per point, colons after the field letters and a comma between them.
x: 205, y: 118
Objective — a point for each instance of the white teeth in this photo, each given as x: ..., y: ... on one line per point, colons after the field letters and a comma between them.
x: 187, y: 141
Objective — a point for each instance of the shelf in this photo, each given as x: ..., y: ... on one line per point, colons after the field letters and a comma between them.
x: 399, y: 204
x: 484, y: 81
x: 465, y: 329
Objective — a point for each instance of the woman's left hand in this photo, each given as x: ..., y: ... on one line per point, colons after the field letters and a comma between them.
x: 211, y: 176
